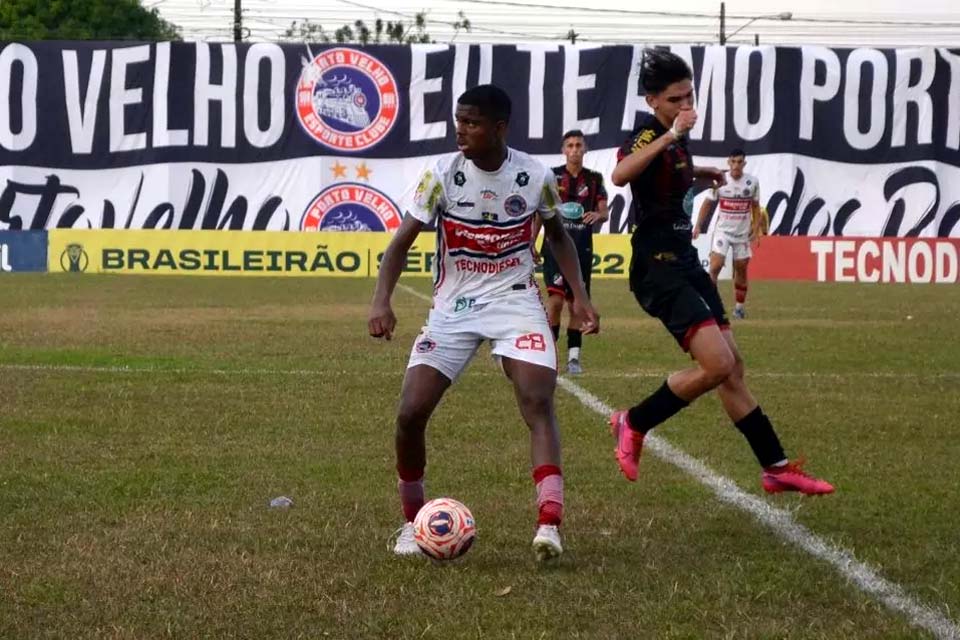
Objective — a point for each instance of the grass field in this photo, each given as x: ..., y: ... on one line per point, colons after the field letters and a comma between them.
x: 145, y: 423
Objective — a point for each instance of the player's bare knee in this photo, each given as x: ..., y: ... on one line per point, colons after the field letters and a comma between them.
x: 413, y: 416
x: 718, y: 369
x: 535, y: 403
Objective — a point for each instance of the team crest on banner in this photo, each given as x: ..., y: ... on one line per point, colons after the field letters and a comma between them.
x: 347, y: 99
x: 351, y: 207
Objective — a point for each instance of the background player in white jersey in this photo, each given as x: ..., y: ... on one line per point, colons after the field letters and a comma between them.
x: 738, y: 205
x: 483, y: 200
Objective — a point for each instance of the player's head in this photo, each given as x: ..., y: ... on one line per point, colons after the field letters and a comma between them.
x: 574, y: 146
x: 668, y: 82
x: 736, y: 161
x: 483, y: 113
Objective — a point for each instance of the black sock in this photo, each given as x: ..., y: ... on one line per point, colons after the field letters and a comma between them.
x: 758, y: 430
x: 574, y: 338
x: 658, y: 406
x: 555, y: 330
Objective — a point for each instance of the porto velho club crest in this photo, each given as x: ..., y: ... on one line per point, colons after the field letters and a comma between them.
x: 346, y: 99
x: 351, y: 207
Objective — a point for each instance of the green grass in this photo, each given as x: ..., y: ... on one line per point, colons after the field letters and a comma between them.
x: 146, y: 422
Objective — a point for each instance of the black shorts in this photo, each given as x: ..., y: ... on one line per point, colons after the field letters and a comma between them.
x: 677, y: 291
x: 555, y: 282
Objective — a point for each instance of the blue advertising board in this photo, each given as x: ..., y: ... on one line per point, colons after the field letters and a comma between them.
x: 23, y: 251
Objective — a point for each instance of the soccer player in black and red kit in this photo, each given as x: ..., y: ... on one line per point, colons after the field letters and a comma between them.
x: 668, y: 281
x: 583, y: 190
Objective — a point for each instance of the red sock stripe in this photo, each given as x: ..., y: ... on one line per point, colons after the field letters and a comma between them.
x: 544, y: 471
x: 550, y: 513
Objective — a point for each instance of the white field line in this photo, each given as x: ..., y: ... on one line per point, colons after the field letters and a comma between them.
x: 782, y: 523
x: 593, y: 375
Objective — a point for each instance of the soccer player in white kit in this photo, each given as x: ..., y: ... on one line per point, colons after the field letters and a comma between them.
x: 483, y: 200
x: 737, y: 207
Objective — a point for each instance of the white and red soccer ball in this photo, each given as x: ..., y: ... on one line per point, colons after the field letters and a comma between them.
x: 444, y: 529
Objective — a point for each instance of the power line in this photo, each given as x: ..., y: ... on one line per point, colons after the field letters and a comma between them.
x: 715, y: 16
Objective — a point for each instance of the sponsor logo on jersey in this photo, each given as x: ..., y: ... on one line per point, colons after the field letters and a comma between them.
x: 489, y: 241
x: 523, y: 178
x: 489, y: 216
x: 346, y: 99
x: 487, y: 194
x: 459, y: 178
x: 485, y: 266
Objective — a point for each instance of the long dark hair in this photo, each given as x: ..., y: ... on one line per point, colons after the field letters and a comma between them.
x: 659, y: 69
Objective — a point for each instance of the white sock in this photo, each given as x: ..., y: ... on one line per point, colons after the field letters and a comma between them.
x: 573, y: 353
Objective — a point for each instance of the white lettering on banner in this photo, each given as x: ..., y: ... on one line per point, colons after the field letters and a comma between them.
x: 256, y: 54
x: 952, y: 140
x: 947, y: 261
x: 919, y: 94
x: 868, y: 249
x: 894, y: 267
x: 810, y: 91
x: 5, y: 258
x: 206, y: 91
x: 538, y: 72
x: 887, y: 261
x: 573, y: 83
x: 121, y: 96
x: 22, y: 55
x: 461, y: 65
x: 634, y: 102
x: 162, y: 135
x: 711, y: 93
x: 741, y: 76
x: 852, y: 99
x: 420, y: 86
x: 82, y: 120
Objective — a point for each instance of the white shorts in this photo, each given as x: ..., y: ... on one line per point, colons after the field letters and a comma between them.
x: 722, y: 243
x: 515, y: 324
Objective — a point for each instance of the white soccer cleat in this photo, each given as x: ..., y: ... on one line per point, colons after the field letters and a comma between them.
x: 406, y: 543
x: 546, y: 544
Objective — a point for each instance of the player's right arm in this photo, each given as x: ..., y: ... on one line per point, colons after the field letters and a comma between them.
x: 428, y: 200
x: 382, y: 321
x: 704, y: 210
x: 634, y: 160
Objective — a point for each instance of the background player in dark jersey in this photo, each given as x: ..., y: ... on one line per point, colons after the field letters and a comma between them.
x: 669, y: 283
x: 584, y: 205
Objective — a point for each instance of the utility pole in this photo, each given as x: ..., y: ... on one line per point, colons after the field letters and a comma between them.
x: 723, y: 17
x: 237, y: 22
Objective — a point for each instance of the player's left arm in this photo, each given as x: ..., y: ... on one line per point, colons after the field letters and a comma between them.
x: 756, y: 217
x: 713, y: 174
x: 565, y: 253
x: 535, y: 235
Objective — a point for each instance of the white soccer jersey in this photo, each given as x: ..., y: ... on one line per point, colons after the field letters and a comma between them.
x: 484, y: 225
x: 736, y: 200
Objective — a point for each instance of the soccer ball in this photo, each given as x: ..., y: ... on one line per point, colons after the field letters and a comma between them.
x: 444, y: 529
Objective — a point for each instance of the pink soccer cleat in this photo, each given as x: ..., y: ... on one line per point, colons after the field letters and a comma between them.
x: 629, y: 444
x: 792, y: 477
